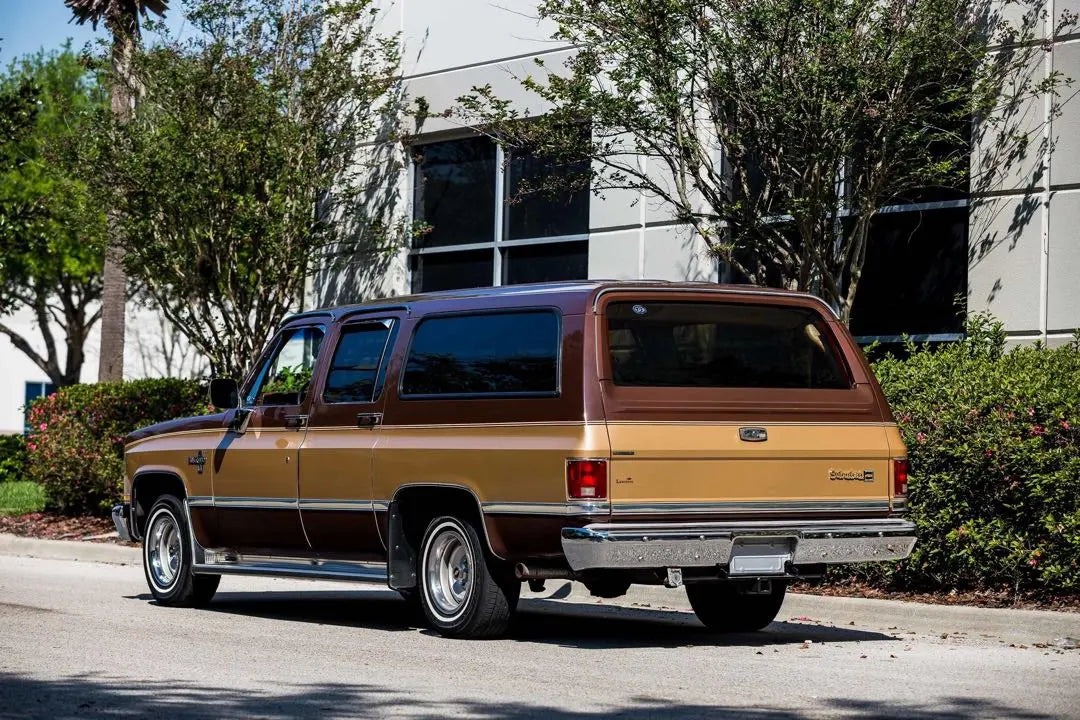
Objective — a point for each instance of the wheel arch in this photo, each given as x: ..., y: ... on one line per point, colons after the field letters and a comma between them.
x: 413, y: 506
x: 146, y: 487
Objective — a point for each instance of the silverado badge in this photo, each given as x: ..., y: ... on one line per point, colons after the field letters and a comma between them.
x: 852, y: 475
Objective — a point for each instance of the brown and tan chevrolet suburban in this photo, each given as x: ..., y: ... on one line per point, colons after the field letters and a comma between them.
x: 455, y: 445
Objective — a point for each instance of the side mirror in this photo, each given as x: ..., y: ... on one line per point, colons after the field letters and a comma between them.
x: 224, y: 393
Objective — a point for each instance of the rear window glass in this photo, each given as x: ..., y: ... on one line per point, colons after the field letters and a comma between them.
x: 681, y: 344
x: 514, y: 353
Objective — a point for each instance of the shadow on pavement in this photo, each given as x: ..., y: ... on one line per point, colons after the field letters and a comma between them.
x: 97, y: 695
x: 538, y: 621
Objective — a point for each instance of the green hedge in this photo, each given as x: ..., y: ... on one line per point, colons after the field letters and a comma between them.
x: 994, y: 442
x: 12, y: 458
x: 75, y: 443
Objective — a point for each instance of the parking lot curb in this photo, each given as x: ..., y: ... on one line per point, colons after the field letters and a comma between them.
x: 69, y: 550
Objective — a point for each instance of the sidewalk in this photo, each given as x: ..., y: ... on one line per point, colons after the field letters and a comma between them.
x: 896, y: 617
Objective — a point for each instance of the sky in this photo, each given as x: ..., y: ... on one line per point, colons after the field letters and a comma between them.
x: 28, y: 25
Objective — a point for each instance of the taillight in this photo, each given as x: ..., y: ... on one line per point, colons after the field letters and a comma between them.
x: 899, y: 474
x: 586, y: 479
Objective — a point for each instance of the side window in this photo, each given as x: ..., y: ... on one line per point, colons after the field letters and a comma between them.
x: 285, y: 377
x: 355, y: 375
x: 509, y: 353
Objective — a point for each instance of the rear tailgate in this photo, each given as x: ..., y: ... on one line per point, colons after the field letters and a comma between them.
x: 739, y: 405
x: 707, y: 468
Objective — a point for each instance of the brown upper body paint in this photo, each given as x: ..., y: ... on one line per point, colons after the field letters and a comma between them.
x: 674, y: 453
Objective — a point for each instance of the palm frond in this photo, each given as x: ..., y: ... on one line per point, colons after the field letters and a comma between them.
x: 95, y: 11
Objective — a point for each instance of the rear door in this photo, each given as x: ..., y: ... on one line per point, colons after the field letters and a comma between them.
x: 728, y: 406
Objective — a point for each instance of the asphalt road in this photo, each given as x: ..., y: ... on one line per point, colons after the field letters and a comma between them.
x: 82, y: 639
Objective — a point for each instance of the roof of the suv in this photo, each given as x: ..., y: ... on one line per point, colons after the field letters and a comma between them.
x: 583, y: 287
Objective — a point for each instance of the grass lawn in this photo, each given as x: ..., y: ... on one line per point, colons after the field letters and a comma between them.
x: 20, y: 497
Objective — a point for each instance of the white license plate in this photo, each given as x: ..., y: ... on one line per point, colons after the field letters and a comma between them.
x: 753, y: 556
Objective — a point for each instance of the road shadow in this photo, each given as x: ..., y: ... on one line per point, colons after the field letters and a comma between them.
x: 575, y: 625
x: 23, y: 697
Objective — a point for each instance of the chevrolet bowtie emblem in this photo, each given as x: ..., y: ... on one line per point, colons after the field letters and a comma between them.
x: 198, y: 460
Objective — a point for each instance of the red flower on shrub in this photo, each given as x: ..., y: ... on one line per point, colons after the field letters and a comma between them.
x: 921, y: 437
x: 1037, y: 430
x: 1065, y: 425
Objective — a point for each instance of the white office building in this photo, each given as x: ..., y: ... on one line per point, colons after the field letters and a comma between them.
x: 1014, y: 251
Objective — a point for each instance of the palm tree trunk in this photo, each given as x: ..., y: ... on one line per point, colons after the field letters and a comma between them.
x: 114, y: 280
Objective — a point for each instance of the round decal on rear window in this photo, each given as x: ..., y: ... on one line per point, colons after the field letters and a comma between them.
x: 639, y: 309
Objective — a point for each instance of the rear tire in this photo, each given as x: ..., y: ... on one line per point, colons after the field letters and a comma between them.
x: 722, y: 607
x: 167, y: 561
x: 462, y: 592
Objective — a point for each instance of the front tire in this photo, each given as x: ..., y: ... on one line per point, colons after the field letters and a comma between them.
x: 462, y: 593
x: 722, y: 607
x: 167, y: 561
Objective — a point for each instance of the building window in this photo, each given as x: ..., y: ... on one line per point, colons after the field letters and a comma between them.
x: 35, y: 390
x: 914, y: 280
x: 479, y: 226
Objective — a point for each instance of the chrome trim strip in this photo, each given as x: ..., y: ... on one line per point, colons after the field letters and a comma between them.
x: 721, y: 508
x: 335, y: 504
x: 583, y: 507
x: 224, y: 563
x: 200, y: 501
x: 380, y: 505
x: 256, y: 503
x: 680, y: 545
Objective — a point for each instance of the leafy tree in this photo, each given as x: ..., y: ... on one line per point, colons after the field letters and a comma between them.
x: 121, y: 18
x: 51, y: 229
x: 777, y: 128
x: 243, y: 168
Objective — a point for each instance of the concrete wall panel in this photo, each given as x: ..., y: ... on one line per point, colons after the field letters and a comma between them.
x: 1063, y: 280
x: 1004, y: 270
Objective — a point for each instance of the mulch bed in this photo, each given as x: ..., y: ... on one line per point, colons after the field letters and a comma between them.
x: 977, y: 598
x: 61, y: 527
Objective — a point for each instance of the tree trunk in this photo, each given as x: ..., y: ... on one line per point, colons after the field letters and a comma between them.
x: 114, y: 280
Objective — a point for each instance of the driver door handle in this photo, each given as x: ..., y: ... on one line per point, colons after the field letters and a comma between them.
x: 368, y: 419
x: 295, y: 421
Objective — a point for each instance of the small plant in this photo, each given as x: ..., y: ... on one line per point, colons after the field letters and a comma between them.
x: 12, y: 458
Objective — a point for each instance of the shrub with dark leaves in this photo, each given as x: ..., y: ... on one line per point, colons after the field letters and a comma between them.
x: 993, y: 436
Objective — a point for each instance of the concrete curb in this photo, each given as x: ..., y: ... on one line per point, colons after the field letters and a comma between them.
x: 69, y: 550
x: 889, y: 616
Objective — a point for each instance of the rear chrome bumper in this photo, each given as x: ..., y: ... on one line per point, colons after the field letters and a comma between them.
x: 682, y: 545
x: 120, y: 517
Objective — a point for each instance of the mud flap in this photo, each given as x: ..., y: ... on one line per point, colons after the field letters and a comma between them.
x: 401, y: 555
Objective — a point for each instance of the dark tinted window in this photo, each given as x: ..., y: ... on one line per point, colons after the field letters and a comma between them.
x: 547, y: 262
x: 454, y: 186
x: 355, y: 367
x: 453, y: 270
x: 672, y: 344
x: 915, y: 277
x: 545, y: 198
x: 494, y: 353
